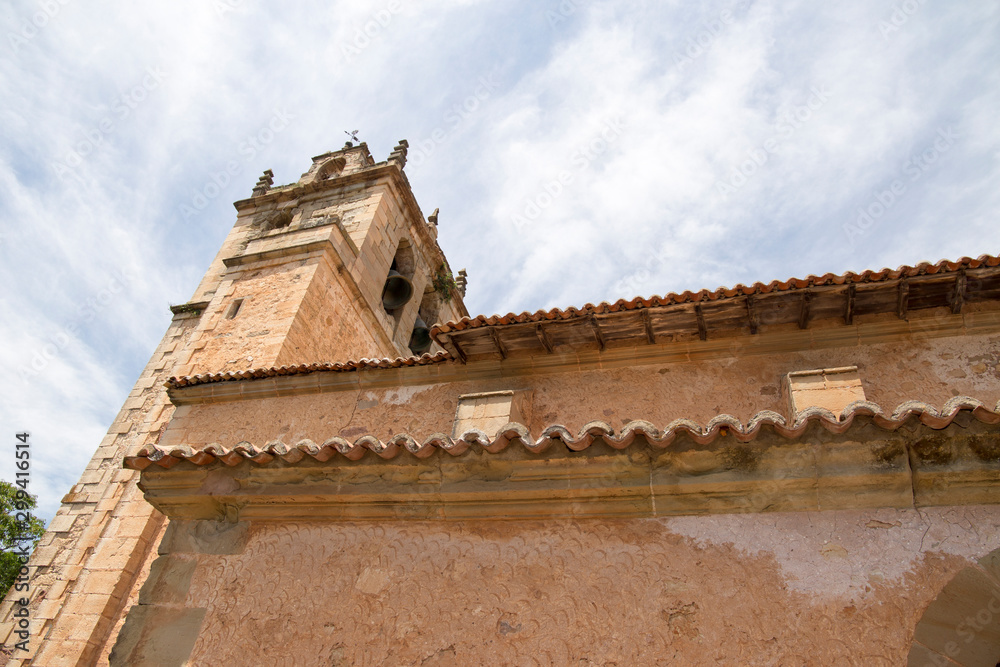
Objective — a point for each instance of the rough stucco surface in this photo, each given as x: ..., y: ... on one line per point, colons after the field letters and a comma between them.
x: 779, y: 589
x: 931, y: 370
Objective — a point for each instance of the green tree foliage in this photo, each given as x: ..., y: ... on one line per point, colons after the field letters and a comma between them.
x: 15, y: 505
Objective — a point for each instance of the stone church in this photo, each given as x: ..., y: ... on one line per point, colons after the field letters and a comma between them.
x: 328, y: 462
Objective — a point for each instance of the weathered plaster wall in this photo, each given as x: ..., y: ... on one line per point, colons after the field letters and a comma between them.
x: 843, y: 587
x: 930, y: 370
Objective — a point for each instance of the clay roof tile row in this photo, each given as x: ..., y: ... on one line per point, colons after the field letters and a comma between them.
x: 301, y: 369
x: 882, y: 275
x: 672, y: 298
x: 557, y: 434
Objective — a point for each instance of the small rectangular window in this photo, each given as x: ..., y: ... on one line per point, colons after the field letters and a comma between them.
x: 234, y: 309
x: 488, y: 411
x: 830, y: 388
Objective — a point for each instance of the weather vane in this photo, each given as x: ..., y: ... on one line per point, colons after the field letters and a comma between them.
x: 354, y: 137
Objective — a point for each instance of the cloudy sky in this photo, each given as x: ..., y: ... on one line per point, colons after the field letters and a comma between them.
x: 579, y: 151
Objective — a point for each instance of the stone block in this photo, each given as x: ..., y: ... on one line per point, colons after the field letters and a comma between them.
x: 159, y: 636
x: 56, y: 590
x: 90, y: 535
x: 62, y: 523
x: 47, y: 609
x: 130, y: 527
x: 487, y: 412
x: 71, y: 627
x: 63, y: 653
x: 115, y: 553
x: 961, y: 621
x: 99, y: 581
x: 122, y: 426
x: 91, y: 476
x: 5, y: 629
x: 205, y: 537
x: 108, y: 504
x: 43, y: 556
x: 830, y: 388
x: 169, y: 580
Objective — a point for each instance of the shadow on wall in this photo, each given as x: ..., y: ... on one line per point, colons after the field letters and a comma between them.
x: 962, y: 625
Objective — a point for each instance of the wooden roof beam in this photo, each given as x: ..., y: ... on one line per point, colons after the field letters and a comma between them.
x: 501, y: 348
x: 597, y: 333
x: 457, y: 350
x: 752, y: 315
x: 804, y: 310
x: 852, y: 291
x: 648, y: 324
x: 702, y: 329
x: 958, y: 295
x: 543, y: 338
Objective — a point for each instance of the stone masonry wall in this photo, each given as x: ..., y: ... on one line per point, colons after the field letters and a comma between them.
x: 329, y: 323
x: 95, y: 554
x: 838, y: 587
x: 86, y: 564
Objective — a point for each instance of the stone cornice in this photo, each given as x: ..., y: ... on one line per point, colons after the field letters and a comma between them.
x: 862, y: 467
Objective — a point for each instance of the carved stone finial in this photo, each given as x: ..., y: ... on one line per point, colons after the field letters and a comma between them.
x: 264, y: 183
x: 462, y: 281
x: 433, y: 217
x: 398, y: 154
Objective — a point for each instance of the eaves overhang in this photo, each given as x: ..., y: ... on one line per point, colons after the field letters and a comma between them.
x: 927, y: 300
x: 863, y: 458
x: 742, y: 310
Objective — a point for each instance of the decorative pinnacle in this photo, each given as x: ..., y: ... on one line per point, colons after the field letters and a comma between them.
x: 462, y: 281
x: 398, y: 154
x: 264, y: 183
x: 433, y: 217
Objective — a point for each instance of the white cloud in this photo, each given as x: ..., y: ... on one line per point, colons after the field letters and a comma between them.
x: 642, y: 215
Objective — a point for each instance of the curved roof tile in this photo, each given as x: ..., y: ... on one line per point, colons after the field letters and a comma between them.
x: 885, y: 274
x: 557, y: 434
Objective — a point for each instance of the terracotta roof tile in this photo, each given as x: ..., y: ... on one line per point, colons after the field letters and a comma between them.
x: 882, y: 275
x: 588, y: 310
x: 558, y: 434
x: 300, y: 369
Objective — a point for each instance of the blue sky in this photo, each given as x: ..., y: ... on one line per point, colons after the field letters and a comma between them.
x: 578, y: 151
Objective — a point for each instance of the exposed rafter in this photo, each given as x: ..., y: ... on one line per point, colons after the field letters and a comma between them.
x: 852, y: 291
x: 597, y: 332
x: 804, y: 310
x: 501, y: 348
x: 543, y: 338
x: 458, y: 349
x: 958, y: 296
x: 752, y: 316
x: 647, y: 323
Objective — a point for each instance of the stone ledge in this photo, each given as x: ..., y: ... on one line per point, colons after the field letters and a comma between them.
x: 864, y: 467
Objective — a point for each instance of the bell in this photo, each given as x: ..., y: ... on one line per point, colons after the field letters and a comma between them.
x: 420, y: 339
x: 397, y: 291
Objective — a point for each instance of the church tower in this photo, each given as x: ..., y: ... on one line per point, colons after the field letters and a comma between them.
x: 339, y: 265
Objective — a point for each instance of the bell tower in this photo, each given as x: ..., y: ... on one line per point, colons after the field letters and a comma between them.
x: 339, y: 265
